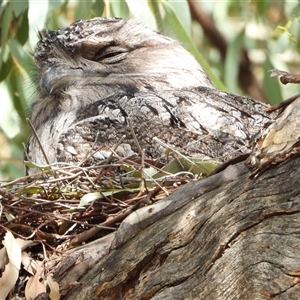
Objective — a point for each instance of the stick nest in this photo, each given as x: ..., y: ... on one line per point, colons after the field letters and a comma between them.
x: 64, y: 206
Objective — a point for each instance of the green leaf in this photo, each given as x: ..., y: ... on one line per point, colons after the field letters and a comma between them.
x: 57, y: 3
x: 271, y: 85
x: 14, y: 84
x: 183, y: 36
x: 232, y: 63
x: 199, y: 166
x: 32, y: 190
x: 10, y: 169
x: 107, y: 193
x: 195, y: 166
x: 142, y: 12
x: 98, y: 7
x: 31, y: 165
x: 156, y: 8
x: 149, y: 172
x: 6, y: 69
x: 262, y: 7
x: 119, y: 9
x: 87, y: 198
x: 23, y: 29
x: 5, y: 25
x: 19, y: 55
x: 53, y: 22
x: 19, y: 7
x: 83, y: 10
x: 8, y: 216
x: 181, y: 8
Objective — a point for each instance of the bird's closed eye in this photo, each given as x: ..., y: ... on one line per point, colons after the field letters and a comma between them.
x: 110, y: 55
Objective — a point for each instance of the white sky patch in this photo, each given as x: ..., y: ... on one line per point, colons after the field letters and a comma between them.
x: 9, y: 120
x: 37, y: 15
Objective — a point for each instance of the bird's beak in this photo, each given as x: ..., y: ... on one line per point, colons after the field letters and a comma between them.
x: 55, y: 79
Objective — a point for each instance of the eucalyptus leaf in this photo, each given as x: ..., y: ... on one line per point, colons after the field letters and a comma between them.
x: 149, y: 172
x: 106, y: 193
x: 32, y: 190
x: 182, y: 10
x: 87, y: 198
x: 31, y: 165
x: 232, y: 62
x: 197, y: 167
x: 120, y: 9
x: 23, y: 29
x: 19, y: 54
x: 6, y: 19
x: 57, y: 3
x: 15, y: 86
x: 83, y: 10
x: 141, y: 11
x: 9, y: 217
x: 98, y: 7
x: 19, y: 7
x: 271, y: 86
x: 174, y: 22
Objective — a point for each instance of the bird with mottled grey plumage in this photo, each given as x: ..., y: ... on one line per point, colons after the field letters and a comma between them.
x: 110, y: 84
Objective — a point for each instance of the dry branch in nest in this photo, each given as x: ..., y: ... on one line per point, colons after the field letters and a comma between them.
x: 62, y: 207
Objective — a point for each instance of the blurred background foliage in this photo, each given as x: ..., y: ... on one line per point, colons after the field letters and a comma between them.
x: 237, y: 42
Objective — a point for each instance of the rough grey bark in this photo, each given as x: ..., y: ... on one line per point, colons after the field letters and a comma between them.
x: 223, y: 237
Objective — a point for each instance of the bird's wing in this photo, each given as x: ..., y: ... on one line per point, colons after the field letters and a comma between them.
x: 201, y: 122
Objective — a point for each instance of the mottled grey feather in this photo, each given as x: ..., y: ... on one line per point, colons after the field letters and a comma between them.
x: 95, y: 75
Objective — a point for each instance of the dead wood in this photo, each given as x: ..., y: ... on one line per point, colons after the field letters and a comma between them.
x: 223, y: 237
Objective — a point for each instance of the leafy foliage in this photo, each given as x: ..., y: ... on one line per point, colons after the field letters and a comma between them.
x: 268, y: 31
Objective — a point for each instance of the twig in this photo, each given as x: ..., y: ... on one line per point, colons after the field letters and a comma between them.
x: 82, y: 237
x: 285, y: 77
x: 282, y: 104
x: 174, y: 150
x: 143, y: 186
x: 38, y: 140
x: 134, y: 137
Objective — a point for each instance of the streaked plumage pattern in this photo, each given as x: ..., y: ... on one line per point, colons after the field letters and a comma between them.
x: 95, y: 75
